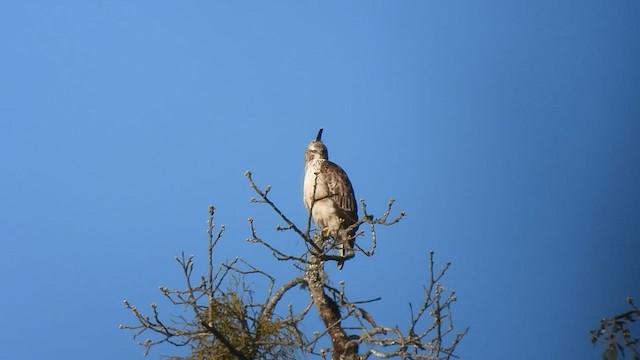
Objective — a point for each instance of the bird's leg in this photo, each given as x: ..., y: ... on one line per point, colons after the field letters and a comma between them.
x: 326, y: 233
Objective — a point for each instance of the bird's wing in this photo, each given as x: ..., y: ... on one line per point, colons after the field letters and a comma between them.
x: 340, y: 189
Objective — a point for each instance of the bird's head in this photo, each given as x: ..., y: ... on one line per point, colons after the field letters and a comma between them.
x: 316, y: 149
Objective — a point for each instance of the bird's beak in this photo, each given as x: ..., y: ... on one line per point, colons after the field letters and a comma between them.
x: 318, y: 138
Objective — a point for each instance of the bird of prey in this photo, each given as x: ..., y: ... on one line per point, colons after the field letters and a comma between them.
x: 329, y: 197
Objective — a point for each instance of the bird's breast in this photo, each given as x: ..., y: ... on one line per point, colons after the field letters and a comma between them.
x: 314, y: 187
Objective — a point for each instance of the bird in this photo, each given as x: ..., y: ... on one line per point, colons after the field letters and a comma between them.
x: 329, y: 198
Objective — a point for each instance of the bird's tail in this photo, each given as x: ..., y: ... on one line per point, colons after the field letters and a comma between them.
x: 344, y: 245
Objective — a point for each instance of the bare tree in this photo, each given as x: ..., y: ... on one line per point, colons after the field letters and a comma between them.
x: 229, y: 320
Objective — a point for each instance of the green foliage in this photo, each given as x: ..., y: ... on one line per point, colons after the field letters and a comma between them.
x: 615, y: 333
x: 253, y: 335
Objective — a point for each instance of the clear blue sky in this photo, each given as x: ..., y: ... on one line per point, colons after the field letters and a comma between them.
x: 508, y: 131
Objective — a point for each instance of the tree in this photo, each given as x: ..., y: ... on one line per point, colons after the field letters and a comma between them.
x: 615, y: 333
x: 228, y: 322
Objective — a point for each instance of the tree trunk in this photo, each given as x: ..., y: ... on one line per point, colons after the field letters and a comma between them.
x: 329, y: 312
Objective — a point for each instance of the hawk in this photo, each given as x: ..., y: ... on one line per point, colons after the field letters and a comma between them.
x: 329, y: 197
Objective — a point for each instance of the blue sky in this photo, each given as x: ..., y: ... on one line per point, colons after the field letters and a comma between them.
x: 508, y: 131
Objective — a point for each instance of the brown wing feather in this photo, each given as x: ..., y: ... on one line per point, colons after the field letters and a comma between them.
x: 340, y: 190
